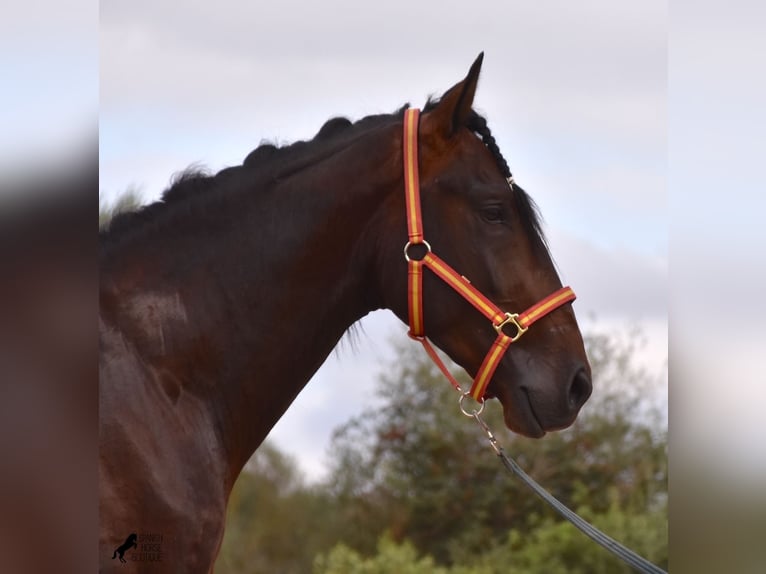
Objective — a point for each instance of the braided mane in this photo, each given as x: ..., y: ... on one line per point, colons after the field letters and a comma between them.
x: 268, y: 160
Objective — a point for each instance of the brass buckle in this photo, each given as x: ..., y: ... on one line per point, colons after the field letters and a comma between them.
x: 512, y: 319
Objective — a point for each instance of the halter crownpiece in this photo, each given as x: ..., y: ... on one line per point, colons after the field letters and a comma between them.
x: 510, y: 327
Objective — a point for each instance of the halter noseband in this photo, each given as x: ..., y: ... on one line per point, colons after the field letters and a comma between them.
x: 501, y: 320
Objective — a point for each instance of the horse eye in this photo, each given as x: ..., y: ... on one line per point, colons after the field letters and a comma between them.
x: 493, y: 214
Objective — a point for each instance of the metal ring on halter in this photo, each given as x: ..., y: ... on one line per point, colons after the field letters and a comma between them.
x: 410, y: 244
x: 474, y: 412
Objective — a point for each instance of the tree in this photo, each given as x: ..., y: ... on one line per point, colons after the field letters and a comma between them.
x: 391, y: 558
x: 415, y: 488
x: 275, y: 523
x: 414, y: 467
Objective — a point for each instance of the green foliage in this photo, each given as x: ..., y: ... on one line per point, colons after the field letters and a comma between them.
x: 414, y: 487
x: 553, y: 547
x: 556, y: 547
x: 391, y: 558
x: 275, y: 523
x: 428, y: 472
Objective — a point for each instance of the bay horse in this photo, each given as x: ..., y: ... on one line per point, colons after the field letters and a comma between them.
x: 218, y: 304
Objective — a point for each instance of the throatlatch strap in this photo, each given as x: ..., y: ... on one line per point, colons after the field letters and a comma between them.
x: 439, y: 363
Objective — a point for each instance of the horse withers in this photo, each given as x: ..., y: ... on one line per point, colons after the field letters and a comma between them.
x: 219, y: 303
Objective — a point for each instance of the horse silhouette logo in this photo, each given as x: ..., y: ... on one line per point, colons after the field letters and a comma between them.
x: 130, y: 542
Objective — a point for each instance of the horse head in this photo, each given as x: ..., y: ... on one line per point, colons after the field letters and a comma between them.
x: 486, y: 227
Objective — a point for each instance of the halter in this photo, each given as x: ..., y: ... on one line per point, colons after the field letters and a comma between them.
x: 509, y: 326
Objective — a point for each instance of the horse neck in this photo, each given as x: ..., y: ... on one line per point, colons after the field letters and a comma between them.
x: 243, y: 314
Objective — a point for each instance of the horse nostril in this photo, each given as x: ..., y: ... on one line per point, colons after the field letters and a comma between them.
x: 579, y: 389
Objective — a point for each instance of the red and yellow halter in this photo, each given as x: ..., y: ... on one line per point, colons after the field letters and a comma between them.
x: 501, y: 321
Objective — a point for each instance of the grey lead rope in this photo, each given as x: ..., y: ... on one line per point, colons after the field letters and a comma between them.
x: 639, y: 563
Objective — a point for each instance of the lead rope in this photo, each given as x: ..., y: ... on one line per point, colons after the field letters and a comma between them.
x: 499, y: 319
x: 625, y: 554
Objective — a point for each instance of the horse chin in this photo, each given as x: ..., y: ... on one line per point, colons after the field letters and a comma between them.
x: 518, y: 413
x: 528, y: 428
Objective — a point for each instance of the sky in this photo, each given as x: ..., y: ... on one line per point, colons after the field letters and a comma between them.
x: 717, y: 134
x: 49, y: 83
x: 575, y: 94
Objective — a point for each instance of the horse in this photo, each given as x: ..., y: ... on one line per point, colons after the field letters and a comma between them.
x: 130, y: 542
x: 218, y: 304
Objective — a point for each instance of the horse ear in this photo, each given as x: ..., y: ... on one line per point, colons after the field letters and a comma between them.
x: 454, y: 107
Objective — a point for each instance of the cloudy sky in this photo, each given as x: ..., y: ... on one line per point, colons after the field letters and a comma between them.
x: 49, y: 79
x: 575, y: 93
